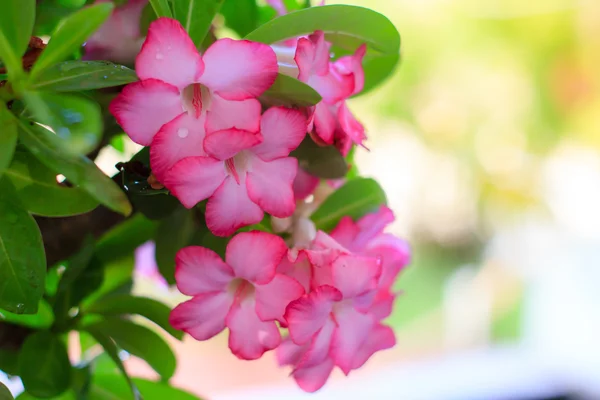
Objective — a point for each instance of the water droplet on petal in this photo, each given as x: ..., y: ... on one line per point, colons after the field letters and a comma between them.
x: 182, y: 132
x: 159, y: 56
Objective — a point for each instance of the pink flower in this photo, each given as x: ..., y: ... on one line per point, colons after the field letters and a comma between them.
x: 183, y: 96
x: 244, y: 293
x: 334, y: 81
x: 119, y: 38
x: 145, y: 264
x: 244, y: 173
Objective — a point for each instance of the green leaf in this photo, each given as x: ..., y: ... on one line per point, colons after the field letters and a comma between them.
x: 8, y: 138
x: 70, y: 35
x: 50, y: 150
x: 16, y: 23
x: 43, y: 319
x: 290, y: 92
x: 111, y: 349
x: 44, y: 365
x: 117, y: 277
x: 196, y: 16
x: 114, y: 387
x: 9, y: 361
x: 240, y: 15
x: 5, y: 393
x: 38, y: 191
x: 355, y: 199
x: 323, y: 161
x: 347, y: 27
x: 22, y: 257
x: 161, y: 8
x: 74, y: 119
x: 173, y: 233
x: 68, y: 395
x: 141, y: 342
x: 125, y: 304
x: 71, y: 76
x: 123, y: 239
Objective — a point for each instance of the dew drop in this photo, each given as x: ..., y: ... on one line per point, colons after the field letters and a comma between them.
x: 20, y: 308
x: 182, y: 132
x: 159, y: 56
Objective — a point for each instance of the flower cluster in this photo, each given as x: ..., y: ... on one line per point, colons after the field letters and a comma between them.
x: 210, y: 138
x: 331, y: 296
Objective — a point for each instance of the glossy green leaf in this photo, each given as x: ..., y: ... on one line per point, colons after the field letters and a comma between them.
x: 289, y: 92
x: 71, y: 76
x: 9, y: 361
x: 355, y: 199
x: 74, y: 119
x: 16, y: 24
x: 40, y: 320
x: 68, y: 395
x: 8, y: 138
x: 123, y: 239
x: 70, y: 35
x: 50, y: 150
x: 22, y: 257
x: 117, y: 277
x: 347, y: 27
x: 38, y: 191
x: 111, y: 349
x: 323, y: 161
x: 162, y: 8
x: 5, y: 393
x: 114, y: 387
x: 44, y: 365
x: 173, y: 233
x: 126, y: 304
x: 240, y: 15
x: 196, y: 16
x: 141, y: 342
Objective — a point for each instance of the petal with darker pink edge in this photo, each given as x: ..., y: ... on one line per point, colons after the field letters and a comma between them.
x: 270, y: 185
x: 203, y: 316
x: 282, y: 130
x: 143, y: 107
x: 228, y: 142
x: 225, y: 114
x: 199, y: 270
x: 239, y: 69
x: 169, y: 54
x: 255, y: 255
x: 273, y: 297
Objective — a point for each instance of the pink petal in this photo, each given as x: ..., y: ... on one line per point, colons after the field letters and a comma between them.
x: 249, y: 337
x: 194, y: 179
x: 230, y: 208
x: 382, y: 305
x: 309, y: 313
x: 332, y: 87
x: 299, y: 269
x: 255, y: 256
x: 352, y: 65
x: 203, y: 316
x: 351, y: 127
x: 169, y: 54
x: 312, y: 379
x: 354, y: 275
x: 273, y: 297
x: 282, y: 130
x: 289, y: 353
x: 199, y: 270
x: 239, y: 69
x: 345, y: 233
x: 373, y: 224
x: 319, y: 349
x: 143, y: 107
x: 380, y: 338
x: 304, y: 184
x: 325, y: 122
x: 350, y: 335
x: 312, y: 56
x: 228, y: 142
x: 270, y: 185
x: 395, y: 255
x: 180, y: 138
x: 224, y: 114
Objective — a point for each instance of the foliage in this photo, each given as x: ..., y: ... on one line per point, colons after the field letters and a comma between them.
x: 54, y: 121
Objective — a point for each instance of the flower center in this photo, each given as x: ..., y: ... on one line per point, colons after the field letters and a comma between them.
x: 241, y: 288
x: 237, y: 165
x: 195, y: 99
